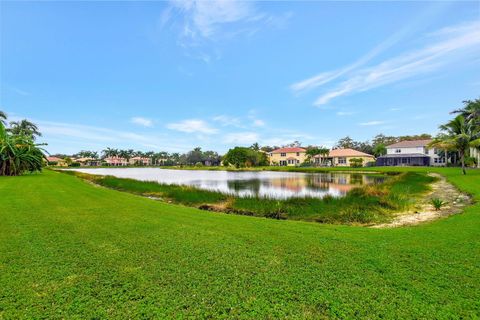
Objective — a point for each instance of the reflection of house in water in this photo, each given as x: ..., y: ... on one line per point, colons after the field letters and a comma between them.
x: 294, y: 184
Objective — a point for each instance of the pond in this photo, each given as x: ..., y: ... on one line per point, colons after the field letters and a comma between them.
x: 270, y: 184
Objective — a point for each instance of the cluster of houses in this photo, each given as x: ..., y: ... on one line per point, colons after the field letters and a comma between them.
x: 108, y: 161
x: 404, y: 153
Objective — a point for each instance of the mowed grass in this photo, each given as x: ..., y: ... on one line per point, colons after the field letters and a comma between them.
x: 365, y: 205
x: 69, y: 249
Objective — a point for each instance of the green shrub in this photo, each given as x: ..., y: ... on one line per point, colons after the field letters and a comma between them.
x: 437, y: 203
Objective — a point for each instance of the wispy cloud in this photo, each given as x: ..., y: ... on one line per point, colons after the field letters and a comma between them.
x: 345, y: 113
x: 226, y: 121
x: 192, y: 126
x: 142, y: 121
x: 71, y: 137
x: 449, y: 45
x: 20, y: 91
x: 258, y: 123
x: 202, y: 23
x: 371, y: 123
x: 242, y: 138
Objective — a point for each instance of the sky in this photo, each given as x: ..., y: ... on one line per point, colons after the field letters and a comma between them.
x: 174, y: 75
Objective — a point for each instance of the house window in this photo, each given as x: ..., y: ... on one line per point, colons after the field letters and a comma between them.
x: 283, y: 154
x: 342, y: 160
x: 298, y: 154
x: 398, y: 151
x: 298, y: 161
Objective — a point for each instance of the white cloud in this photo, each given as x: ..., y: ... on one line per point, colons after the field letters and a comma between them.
x: 258, y: 123
x: 225, y: 121
x: 345, y: 113
x: 142, y: 121
x: 456, y: 46
x: 241, y: 137
x: 192, y: 126
x: 69, y: 137
x: 446, y: 46
x: 371, y: 123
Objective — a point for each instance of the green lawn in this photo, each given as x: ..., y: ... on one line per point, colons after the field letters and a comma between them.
x: 69, y: 249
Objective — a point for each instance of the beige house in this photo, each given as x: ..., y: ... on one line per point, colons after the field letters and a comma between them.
x: 116, y: 161
x: 292, y: 156
x: 89, y: 162
x: 55, y: 161
x: 142, y: 161
x: 342, y: 157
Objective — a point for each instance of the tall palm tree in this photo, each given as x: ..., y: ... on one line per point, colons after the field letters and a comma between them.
x: 109, y: 152
x: 3, y: 118
x: 471, y: 111
x: 24, y: 127
x: 459, y: 134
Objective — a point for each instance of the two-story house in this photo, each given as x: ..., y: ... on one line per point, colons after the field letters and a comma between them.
x: 411, y: 153
x: 292, y: 156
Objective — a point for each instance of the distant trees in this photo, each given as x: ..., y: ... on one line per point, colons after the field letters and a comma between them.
x: 87, y: 154
x: 241, y: 157
x: 18, y: 151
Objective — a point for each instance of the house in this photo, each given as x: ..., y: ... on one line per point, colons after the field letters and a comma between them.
x: 343, y: 158
x: 55, y: 161
x: 290, y: 156
x: 475, y: 153
x: 116, y: 161
x: 89, y: 162
x: 412, y: 153
x: 140, y: 161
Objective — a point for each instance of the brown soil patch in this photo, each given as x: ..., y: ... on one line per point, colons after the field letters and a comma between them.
x: 424, y: 211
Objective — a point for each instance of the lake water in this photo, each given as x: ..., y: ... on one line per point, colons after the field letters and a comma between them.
x: 276, y: 185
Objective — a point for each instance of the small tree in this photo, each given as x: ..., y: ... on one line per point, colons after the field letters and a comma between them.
x: 356, y: 162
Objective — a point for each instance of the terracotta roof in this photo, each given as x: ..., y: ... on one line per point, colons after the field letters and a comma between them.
x: 54, y: 159
x: 410, y: 143
x: 346, y: 153
x: 287, y: 150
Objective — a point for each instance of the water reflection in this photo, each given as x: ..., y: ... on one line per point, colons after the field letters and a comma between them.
x: 277, y: 185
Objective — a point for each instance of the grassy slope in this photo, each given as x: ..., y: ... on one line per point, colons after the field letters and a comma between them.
x: 69, y: 249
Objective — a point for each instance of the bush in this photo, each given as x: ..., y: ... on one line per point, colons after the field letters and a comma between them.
x: 198, y: 164
x: 52, y: 163
x: 356, y: 162
x: 437, y: 203
x: 74, y: 164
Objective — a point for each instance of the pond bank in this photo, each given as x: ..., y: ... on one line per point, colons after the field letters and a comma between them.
x: 455, y: 202
x: 367, y: 205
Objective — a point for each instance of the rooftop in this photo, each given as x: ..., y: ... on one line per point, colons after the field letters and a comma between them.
x: 289, y: 150
x: 346, y: 153
x: 410, y: 144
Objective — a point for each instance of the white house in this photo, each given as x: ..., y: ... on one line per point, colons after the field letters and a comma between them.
x: 411, y: 153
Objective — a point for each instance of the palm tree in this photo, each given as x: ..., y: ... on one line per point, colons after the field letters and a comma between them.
x: 459, y: 134
x: 3, y: 118
x: 24, y: 127
x: 471, y: 111
x: 19, y: 153
x: 109, y: 152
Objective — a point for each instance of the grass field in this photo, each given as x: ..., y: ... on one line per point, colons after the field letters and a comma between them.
x: 69, y: 249
x: 367, y: 205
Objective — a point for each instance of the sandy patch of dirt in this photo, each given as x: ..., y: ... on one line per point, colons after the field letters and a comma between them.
x: 424, y: 211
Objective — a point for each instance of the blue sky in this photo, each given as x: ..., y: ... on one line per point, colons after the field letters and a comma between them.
x: 175, y: 75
